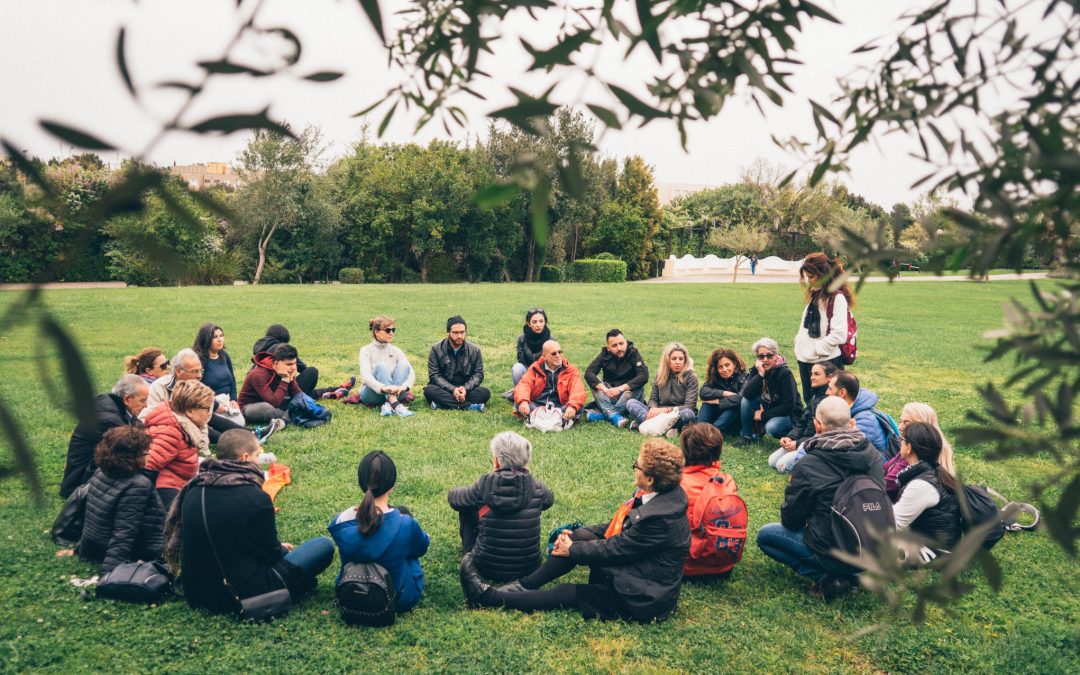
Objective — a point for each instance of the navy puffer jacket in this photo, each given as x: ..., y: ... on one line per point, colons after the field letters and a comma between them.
x: 124, y: 521
x: 508, y: 536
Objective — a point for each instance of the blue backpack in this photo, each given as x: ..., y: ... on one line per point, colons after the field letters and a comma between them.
x: 891, y: 431
x: 306, y: 413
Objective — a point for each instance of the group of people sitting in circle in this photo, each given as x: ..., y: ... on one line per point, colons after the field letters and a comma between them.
x: 154, y: 488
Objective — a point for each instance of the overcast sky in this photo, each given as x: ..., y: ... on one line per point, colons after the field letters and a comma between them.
x: 57, y: 61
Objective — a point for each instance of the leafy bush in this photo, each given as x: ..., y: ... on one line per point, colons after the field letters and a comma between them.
x: 551, y: 274
x: 219, y: 268
x: 443, y: 270
x: 609, y: 271
x: 605, y: 256
x: 351, y: 275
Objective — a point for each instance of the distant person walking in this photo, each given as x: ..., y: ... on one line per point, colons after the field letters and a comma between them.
x: 753, y: 264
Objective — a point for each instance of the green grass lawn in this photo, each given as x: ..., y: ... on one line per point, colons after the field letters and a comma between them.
x: 917, y: 342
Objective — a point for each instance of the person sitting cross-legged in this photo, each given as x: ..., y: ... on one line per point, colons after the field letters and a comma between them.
x: 455, y: 371
x: 770, y: 396
x: 222, y: 535
x: 307, y: 376
x: 178, y: 437
x: 499, y: 514
x: 269, y: 386
x: 386, y: 375
x: 791, y: 451
x: 803, y: 538
x: 721, y: 392
x: 186, y: 367
x: 551, y: 380
x: 675, y: 389
x: 624, y: 377
x: 635, y: 561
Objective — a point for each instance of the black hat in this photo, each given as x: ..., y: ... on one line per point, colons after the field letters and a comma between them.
x: 455, y: 319
x: 376, y: 473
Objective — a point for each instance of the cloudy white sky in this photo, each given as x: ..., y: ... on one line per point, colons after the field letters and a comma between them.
x: 57, y: 61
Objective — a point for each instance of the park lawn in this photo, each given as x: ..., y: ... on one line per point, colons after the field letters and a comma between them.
x: 917, y: 341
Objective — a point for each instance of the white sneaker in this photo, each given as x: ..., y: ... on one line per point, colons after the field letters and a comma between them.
x: 401, y: 411
x: 386, y: 410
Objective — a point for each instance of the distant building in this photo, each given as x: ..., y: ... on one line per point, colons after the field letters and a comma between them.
x: 204, y: 176
x: 669, y: 191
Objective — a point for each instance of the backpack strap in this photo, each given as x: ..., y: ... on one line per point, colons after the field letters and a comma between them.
x: 1010, y: 522
x: 213, y: 549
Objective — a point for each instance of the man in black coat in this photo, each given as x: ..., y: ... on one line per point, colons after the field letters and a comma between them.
x: 624, y: 378
x: 455, y: 371
x: 803, y: 538
x: 119, y: 407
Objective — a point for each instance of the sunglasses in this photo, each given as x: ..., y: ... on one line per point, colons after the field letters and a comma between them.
x: 161, y: 366
x: 389, y: 330
x: 536, y: 310
x: 765, y: 357
x: 557, y: 351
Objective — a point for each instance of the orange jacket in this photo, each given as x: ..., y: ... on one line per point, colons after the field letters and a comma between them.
x: 172, y: 454
x: 569, y: 387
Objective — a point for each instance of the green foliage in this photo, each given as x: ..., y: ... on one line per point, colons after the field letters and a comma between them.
x: 27, y: 244
x: 551, y: 274
x: 351, y: 275
x: 607, y: 271
x: 605, y: 256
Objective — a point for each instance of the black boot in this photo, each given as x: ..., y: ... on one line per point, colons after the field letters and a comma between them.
x: 478, y: 592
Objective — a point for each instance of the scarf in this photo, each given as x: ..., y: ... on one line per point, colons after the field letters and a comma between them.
x: 812, y: 320
x: 199, y: 436
x: 615, y: 527
x: 212, y: 472
x: 535, y: 341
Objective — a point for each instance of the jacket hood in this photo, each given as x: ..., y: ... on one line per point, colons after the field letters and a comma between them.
x: 263, y: 359
x: 509, y: 490
x: 265, y: 344
x: 864, y: 401
x: 847, y: 450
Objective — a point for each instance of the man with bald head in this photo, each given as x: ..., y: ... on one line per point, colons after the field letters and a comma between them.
x: 551, y: 380
x: 803, y: 538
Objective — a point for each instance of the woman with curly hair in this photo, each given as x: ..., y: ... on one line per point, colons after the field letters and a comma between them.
x: 721, y: 395
x: 825, y: 319
x: 124, y: 519
x: 635, y: 561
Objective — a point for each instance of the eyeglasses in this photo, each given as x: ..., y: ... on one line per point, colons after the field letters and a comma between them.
x: 389, y: 330
x: 557, y: 351
x: 638, y: 468
x: 765, y: 357
x: 193, y: 371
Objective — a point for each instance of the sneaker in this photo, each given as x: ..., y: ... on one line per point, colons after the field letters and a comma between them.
x: 508, y: 395
x: 618, y: 420
x: 672, y: 433
x: 434, y: 405
x: 595, y: 416
x: 742, y: 441
x: 264, y: 433
x: 409, y: 397
x: 401, y: 411
x: 475, y: 407
x: 386, y: 410
x: 835, y: 587
x: 633, y: 426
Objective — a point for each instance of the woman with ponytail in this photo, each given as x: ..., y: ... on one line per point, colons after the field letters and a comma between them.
x: 927, y: 504
x: 377, y: 532
x: 825, y: 319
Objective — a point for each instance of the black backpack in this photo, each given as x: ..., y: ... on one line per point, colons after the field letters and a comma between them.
x: 366, y: 595
x: 982, y: 508
x: 861, y: 515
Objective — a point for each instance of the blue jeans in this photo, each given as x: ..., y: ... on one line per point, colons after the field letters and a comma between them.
x: 777, y: 427
x: 640, y: 412
x: 518, y: 372
x: 400, y: 374
x: 726, y: 420
x: 789, y: 547
x: 609, y: 407
x: 313, y: 556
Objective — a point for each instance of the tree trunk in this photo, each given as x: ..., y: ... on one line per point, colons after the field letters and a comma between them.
x: 424, y: 260
x: 264, y: 242
x: 531, y: 261
x: 735, y: 273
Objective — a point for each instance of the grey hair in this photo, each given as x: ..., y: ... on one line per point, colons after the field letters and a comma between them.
x: 767, y: 343
x: 128, y: 385
x: 512, y: 450
x: 184, y: 355
x: 833, y: 413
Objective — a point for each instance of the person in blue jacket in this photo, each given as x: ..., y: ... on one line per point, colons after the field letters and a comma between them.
x: 862, y: 403
x: 376, y: 532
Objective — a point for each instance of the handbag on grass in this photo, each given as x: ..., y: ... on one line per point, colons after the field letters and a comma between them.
x: 262, y: 607
x: 148, y: 583
x: 659, y: 424
x: 67, y: 528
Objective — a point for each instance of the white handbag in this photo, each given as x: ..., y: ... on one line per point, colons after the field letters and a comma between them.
x: 548, y: 418
x: 660, y: 424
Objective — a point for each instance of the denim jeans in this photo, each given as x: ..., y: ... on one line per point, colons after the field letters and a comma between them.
x: 313, y: 556
x: 518, y: 372
x: 777, y: 427
x: 726, y: 420
x: 609, y: 407
x: 400, y: 374
x: 640, y: 412
x: 789, y: 547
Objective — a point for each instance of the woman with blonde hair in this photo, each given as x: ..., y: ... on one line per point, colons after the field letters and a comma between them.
x: 386, y: 376
x: 913, y: 412
x: 675, y: 388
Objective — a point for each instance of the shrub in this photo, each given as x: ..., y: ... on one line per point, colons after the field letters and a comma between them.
x: 604, y: 256
x: 550, y: 274
x: 219, y: 268
x: 351, y: 275
x: 611, y: 271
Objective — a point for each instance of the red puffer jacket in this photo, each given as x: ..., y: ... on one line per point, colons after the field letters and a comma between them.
x: 571, y: 390
x: 172, y: 454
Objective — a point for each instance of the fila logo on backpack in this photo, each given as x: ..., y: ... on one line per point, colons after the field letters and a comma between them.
x: 861, y: 515
x: 717, y: 528
x: 848, y: 351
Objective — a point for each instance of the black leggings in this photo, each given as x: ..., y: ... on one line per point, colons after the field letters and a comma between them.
x: 308, y: 380
x: 804, y: 375
x: 219, y: 425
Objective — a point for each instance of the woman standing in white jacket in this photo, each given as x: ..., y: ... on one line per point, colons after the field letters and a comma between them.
x: 825, y: 319
x: 386, y: 376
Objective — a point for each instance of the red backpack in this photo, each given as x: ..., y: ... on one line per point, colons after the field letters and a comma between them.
x: 717, y: 528
x: 848, y: 351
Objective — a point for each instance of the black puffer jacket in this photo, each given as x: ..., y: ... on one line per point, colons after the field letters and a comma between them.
x: 781, y: 390
x: 646, y: 559
x: 715, y: 389
x: 804, y: 426
x: 124, y: 521
x: 830, y: 458
x: 109, y: 412
x: 266, y: 344
x: 629, y: 370
x: 508, y: 536
x: 941, y: 523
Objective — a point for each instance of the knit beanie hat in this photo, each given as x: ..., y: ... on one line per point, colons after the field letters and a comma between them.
x: 455, y: 319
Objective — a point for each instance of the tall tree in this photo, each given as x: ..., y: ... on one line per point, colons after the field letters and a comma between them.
x: 636, y: 189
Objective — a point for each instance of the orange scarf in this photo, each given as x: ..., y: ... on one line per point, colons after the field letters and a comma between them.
x: 615, y: 527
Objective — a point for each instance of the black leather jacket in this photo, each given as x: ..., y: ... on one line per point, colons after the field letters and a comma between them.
x: 447, y: 370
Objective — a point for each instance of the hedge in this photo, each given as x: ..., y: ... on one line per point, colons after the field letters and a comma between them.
x: 351, y: 275
x: 550, y: 274
x: 612, y: 271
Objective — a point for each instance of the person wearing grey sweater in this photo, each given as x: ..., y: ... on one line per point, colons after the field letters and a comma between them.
x: 386, y: 376
x: 675, y: 388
